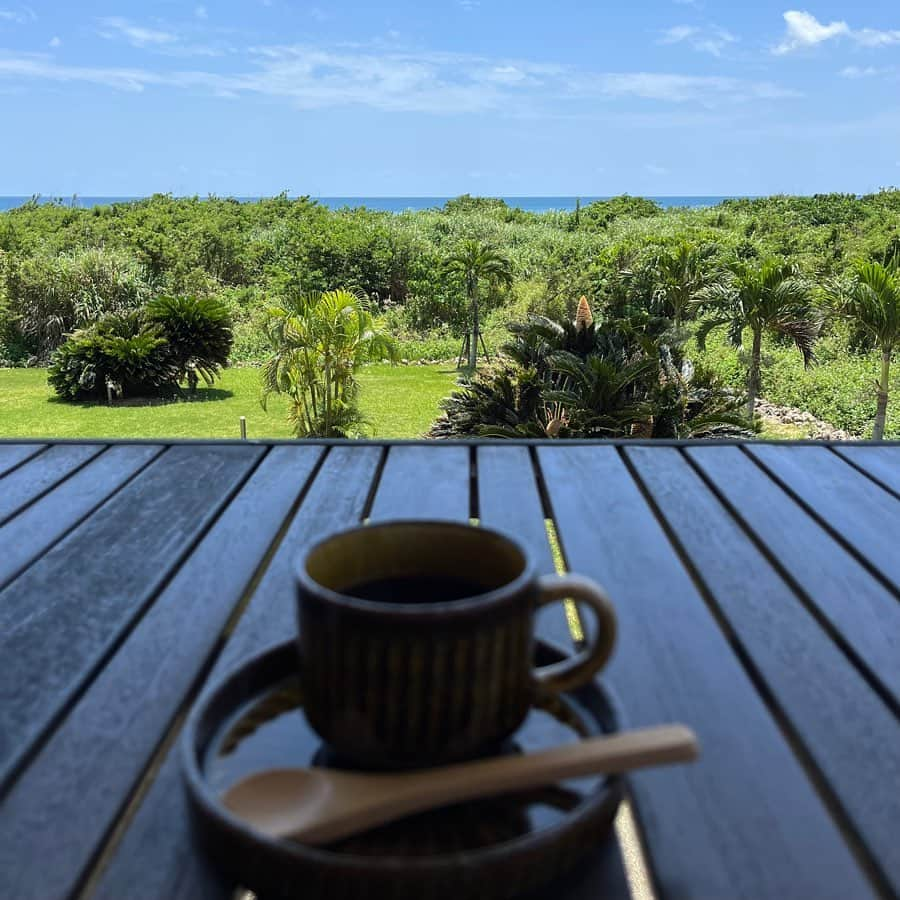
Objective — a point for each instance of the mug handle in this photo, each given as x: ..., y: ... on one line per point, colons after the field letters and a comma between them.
x: 578, y: 669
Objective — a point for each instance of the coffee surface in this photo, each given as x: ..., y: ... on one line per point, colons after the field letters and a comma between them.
x: 416, y: 589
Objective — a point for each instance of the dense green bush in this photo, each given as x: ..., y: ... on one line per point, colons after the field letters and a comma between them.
x: 198, y: 335
x: 122, y: 353
x: 48, y: 296
x: 144, y: 353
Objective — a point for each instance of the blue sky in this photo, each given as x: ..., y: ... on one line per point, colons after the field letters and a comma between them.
x: 439, y: 97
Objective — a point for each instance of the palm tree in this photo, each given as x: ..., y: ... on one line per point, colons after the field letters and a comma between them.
x: 319, y: 341
x: 474, y: 262
x: 681, y: 274
x: 766, y: 297
x: 872, y: 303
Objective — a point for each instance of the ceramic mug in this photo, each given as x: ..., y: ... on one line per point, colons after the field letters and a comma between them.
x: 416, y: 641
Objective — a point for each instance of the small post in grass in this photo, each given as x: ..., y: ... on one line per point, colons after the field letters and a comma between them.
x: 243, y: 428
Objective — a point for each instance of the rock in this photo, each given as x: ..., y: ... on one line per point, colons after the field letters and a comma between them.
x: 818, y: 430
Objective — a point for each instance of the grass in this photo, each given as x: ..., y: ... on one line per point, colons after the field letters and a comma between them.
x: 782, y: 431
x: 398, y: 402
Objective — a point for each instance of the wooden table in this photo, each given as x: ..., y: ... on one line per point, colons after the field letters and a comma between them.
x: 757, y: 588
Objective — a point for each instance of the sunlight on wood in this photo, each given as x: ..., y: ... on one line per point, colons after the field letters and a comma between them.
x: 636, y: 871
x: 572, y: 617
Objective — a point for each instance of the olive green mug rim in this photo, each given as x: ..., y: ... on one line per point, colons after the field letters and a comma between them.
x: 475, y: 603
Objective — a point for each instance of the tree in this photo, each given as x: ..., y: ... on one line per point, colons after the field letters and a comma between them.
x: 764, y: 297
x: 872, y: 304
x: 474, y: 262
x: 319, y: 341
x: 681, y: 273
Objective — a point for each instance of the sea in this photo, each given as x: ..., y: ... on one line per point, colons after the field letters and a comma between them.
x: 392, y: 204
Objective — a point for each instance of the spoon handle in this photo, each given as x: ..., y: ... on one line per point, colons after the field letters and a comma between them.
x: 610, y: 754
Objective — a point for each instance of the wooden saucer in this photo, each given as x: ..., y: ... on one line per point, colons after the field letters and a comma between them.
x: 489, y: 849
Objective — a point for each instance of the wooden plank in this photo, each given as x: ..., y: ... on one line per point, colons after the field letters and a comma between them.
x: 26, y: 483
x: 864, y: 515
x: 157, y: 856
x: 743, y: 821
x: 880, y: 463
x: 66, y: 801
x: 424, y: 483
x: 509, y: 500
x: 63, y: 616
x: 27, y: 535
x: 858, y: 607
x: 12, y: 455
x: 831, y: 708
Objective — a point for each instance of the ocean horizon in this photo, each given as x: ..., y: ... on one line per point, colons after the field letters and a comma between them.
x: 398, y: 204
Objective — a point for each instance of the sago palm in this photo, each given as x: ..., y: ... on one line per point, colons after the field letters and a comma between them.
x: 872, y: 304
x: 766, y: 297
x: 475, y: 262
x: 319, y: 341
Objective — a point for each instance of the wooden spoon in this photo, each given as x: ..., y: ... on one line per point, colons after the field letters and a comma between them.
x: 317, y: 806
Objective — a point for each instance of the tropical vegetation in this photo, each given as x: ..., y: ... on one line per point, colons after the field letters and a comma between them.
x: 767, y: 296
x: 619, y: 377
x: 473, y: 263
x: 872, y: 304
x: 63, y: 269
x: 319, y: 343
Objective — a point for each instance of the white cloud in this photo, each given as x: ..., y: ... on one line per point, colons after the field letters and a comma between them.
x: 507, y: 75
x: 397, y: 81
x: 707, y: 90
x: 21, y: 15
x: 805, y: 30
x: 37, y: 67
x: 158, y: 40
x: 712, y: 39
x: 654, y: 169
x: 677, y: 34
x: 137, y: 35
x: 871, y: 37
x: 55, y: 42
x: 857, y: 72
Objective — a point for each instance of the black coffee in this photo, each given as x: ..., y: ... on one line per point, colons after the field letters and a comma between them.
x: 416, y: 589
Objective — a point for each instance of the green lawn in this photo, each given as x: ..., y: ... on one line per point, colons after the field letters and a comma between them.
x: 398, y: 402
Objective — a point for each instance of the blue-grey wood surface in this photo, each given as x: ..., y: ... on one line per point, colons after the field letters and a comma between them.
x: 756, y: 586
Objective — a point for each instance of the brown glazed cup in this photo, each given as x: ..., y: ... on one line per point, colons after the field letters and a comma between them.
x: 424, y: 682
